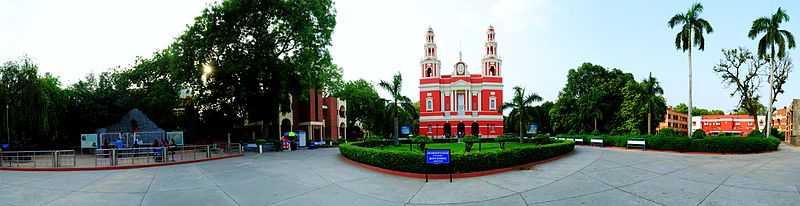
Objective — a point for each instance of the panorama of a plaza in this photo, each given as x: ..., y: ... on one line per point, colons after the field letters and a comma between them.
x: 346, y: 102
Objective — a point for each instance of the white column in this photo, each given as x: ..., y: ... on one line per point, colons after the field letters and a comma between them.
x: 469, y: 100
x: 453, y: 100
x: 441, y: 100
x: 480, y: 101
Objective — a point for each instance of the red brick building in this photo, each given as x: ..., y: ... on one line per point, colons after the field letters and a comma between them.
x: 729, y: 124
x: 321, y: 117
x: 461, y: 103
x: 675, y: 120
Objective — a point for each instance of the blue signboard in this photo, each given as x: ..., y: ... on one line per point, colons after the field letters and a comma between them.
x: 533, y: 128
x: 405, y: 130
x: 437, y: 156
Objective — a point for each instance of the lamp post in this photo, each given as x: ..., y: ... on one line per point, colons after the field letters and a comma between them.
x: 8, y: 132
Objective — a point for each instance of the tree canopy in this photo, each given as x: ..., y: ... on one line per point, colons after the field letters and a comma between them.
x: 239, y: 61
x: 610, y: 99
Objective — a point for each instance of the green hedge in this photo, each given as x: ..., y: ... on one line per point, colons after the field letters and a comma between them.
x: 715, y: 144
x: 408, y: 161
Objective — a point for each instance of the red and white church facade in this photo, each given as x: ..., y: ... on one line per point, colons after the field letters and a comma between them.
x: 461, y: 103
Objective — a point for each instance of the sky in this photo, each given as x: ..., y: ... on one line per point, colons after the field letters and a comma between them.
x: 538, y: 40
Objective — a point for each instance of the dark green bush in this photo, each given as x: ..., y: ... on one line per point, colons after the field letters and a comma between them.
x: 755, y: 133
x: 675, y: 143
x: 408, y: 161
x: 261, y: 141
x: 469, y: 141
x: 734, y: 144
x: 698, y: 134
x: 444, y: 140
x: 421, y: 141
x: 715, y: 144
x: 503, y: 139
x: 667, y: 132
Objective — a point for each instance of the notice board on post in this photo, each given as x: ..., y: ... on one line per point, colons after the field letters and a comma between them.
x: 438, y: 157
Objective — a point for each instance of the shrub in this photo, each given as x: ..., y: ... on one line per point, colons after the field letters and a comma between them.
x: 755, y: 133
x: 503, y: 139
x: 676, y: 143
x: 698, y: 134
x: 667, y: 132
x: 734, y: 144
x: 408, y: 161
x: 421, y: 141
x: 469, y: 141
x: 261, y: 141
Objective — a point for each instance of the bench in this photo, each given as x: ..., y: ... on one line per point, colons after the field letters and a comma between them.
x: 578, y: 140
x: 596, y: 141
x: 636, y: 143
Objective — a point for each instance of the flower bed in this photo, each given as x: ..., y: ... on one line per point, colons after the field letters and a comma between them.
x: 414, y: 161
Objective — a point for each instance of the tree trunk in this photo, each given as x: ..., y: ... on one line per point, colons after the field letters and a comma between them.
x: 689, y: 123
x: 520, y: 125
x: 769, y: 105
x: 396, y: 125
x: 595, y: 124
x: 648, y: 123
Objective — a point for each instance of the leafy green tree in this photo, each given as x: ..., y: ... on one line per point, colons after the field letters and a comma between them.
x: 632, y: 115
x: 591, y: 93
x: 539, y: 114
x: 653, y: 92
x: 519, y: 102
x: 243, y: 58
x: 740, y: 70
x: 365, y: 106
x: 691, y: 33
x: 399, y: 103
x: 774, y: 38
x: 682, y: 108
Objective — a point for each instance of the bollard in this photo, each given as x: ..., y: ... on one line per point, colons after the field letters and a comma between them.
x: 164, y: 154
x: 55, y: 159
x: 113, y: 157
x: 208, y: 151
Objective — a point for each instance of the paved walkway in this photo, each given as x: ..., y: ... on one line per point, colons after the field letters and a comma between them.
x: 589, y: 176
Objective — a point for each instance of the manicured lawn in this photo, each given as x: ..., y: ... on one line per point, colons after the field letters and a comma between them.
x: 455, y: 147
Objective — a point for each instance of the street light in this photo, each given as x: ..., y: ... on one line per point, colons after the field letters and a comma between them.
x: 8, y: 132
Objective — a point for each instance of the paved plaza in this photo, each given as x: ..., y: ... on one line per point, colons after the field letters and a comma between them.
x: 588, y: 176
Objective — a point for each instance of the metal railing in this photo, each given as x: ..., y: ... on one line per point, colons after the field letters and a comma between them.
x: 150, y: 155
x: 115, y: 157
x: 35, y: 159
x: 227, y: 148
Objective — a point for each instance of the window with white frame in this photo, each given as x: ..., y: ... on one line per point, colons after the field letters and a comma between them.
x: 429, y: 104
x: 430, y: 129
x: 492, y: 103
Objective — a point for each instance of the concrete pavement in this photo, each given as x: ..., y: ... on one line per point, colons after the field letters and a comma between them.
x: 588, y: 176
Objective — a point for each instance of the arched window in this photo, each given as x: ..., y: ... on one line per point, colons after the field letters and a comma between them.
x: 492, y: 71
x: 429, y: 104
x: 428, y: 72
x: 493, y: 103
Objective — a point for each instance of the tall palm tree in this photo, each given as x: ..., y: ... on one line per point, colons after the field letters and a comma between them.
x: 691, y: 34
x: 654, y: 90
x: 399, y: 102
x: 773, y: 37
x: 520, y: 102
